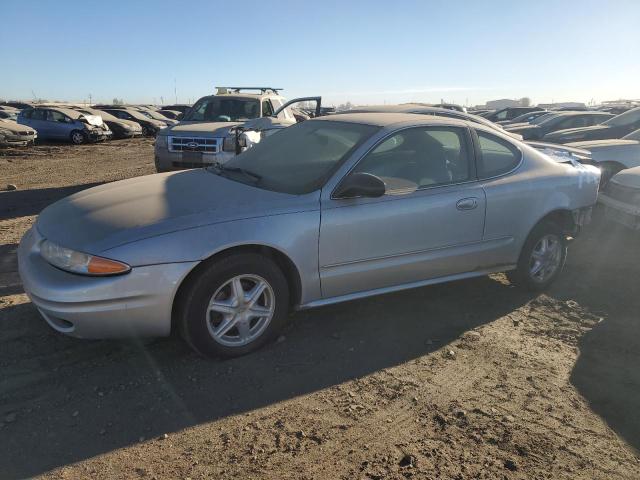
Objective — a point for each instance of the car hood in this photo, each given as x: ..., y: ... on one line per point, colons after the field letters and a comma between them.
x: 114, y: 214
x: 561, y: 134
x: 521, y: 128
x: 601, y: 144
x: 628, y: 178
x: 133, y: 125
x: 14, y: 126
x: 205, y: 129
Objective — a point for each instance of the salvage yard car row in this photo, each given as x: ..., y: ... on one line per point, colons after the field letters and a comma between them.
x: 79, y: 124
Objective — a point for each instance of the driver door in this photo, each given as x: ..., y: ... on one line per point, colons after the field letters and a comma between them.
x: 428, y: 224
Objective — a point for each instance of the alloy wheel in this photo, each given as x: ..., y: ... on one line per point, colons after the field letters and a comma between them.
x: 545, y: 258
x: 240, y: 310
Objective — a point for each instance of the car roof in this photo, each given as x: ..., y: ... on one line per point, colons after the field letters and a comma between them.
x: 383, y: 119
x: 67, y: 111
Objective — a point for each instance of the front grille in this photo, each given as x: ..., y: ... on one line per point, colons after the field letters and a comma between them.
x: 189, y: 165
x: 621, y: 193
x: 194, y: 144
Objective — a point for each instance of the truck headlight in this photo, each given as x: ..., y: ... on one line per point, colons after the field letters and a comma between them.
x: 229, y: 143
x: 81, y: 263
x: 161, y: 141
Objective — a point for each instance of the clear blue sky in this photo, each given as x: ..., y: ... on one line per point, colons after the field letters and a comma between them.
x: 362, y: 51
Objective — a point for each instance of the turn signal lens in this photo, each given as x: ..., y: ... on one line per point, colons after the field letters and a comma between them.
x: 104, y: 266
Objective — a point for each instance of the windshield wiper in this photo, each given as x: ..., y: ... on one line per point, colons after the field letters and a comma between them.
x: 247, y: 173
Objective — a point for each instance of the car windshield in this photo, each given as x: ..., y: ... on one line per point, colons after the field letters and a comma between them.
x: 635, y: 135
x: 626, y: 118
x: 543, y: 118
x: 298, y: 159
x: 223, y: 109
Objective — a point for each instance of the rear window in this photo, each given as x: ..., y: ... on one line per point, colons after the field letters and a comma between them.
x: 497, y: 156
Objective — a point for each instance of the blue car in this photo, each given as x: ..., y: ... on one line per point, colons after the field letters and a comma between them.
x: 64, y: 124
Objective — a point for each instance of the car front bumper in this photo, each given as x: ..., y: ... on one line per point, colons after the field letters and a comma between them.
x: 99, y: 135
x: 166, y: 160
x: 620, y: 212
x: 136, y: 304
x: 17, y: 140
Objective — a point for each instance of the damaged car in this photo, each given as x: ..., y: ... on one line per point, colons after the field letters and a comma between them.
x: 546, y: 124
x: 328, y: 210
x: 613, y: 155
x: 621, y: 198
x: 615, y: 127
x: 65, y: 124
x: 121, y: 128
x: 150, y: 126
x: 13, y: 134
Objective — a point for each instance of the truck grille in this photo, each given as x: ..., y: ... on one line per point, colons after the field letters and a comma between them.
x: 194, y: 144
x: 621, y: 193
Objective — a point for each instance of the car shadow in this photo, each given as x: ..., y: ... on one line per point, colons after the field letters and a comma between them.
x: 20, y: 203
x: 69, y: 399
x: 606, y: 372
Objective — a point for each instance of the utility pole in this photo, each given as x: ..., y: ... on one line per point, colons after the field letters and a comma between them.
x: 90, y: 100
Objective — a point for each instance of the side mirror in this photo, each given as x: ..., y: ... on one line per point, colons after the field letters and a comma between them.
x: 360, y: 185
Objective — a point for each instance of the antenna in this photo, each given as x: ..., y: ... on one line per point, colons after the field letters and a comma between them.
x: 175, y: 90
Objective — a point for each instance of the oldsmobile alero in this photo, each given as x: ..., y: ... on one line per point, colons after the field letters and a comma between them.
x: 328, y: 210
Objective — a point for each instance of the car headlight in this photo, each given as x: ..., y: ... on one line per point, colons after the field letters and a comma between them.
x: 81, y: 263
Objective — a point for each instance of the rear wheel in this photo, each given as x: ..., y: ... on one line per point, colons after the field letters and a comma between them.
x: 147, y: 131
x: 235, y: 306
x: 542, y: 258
x: 77, y: 137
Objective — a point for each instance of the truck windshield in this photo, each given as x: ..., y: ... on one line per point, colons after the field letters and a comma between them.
x: 222, y: 109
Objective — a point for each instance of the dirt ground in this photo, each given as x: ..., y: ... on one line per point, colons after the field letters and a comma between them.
x: 473, y: 379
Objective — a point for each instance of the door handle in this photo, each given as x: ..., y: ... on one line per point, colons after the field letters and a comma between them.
x: 467, y: 203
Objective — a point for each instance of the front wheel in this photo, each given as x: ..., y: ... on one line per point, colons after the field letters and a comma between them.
x: 542, y: 258
x: 77, y: 137
x: 235, y: 306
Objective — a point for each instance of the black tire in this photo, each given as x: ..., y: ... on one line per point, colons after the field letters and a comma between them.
x: 77, y: 137
x: 522, y: 276
x: 148, y: 131
x: 197, y: 324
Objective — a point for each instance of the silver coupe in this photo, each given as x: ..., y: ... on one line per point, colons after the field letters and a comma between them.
x: 329, y: 210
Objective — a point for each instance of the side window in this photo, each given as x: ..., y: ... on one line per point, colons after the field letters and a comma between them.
x: 420, y: 157
x: 39, y: 115
x: 54, y: 116
x: 497, y: 156
x: 267, y: 109
x: 502, y: 115
x: 26, y: 113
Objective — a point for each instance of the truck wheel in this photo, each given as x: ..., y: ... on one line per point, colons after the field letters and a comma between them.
x: 542, y: 258
x: 235, y: 306
x: 77, y: 137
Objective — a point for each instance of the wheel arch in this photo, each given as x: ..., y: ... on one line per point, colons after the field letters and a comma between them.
x: 284, y: 262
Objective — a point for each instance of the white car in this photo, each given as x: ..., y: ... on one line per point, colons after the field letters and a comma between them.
x: 621, y: 198
x: 613, y: 155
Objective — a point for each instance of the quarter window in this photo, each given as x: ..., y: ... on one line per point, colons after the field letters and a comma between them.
x: 497, y: 156
x: 420, y: 157
x: 267, y: 109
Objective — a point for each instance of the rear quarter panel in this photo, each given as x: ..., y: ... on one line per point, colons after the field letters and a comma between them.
x: 516, y: 202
